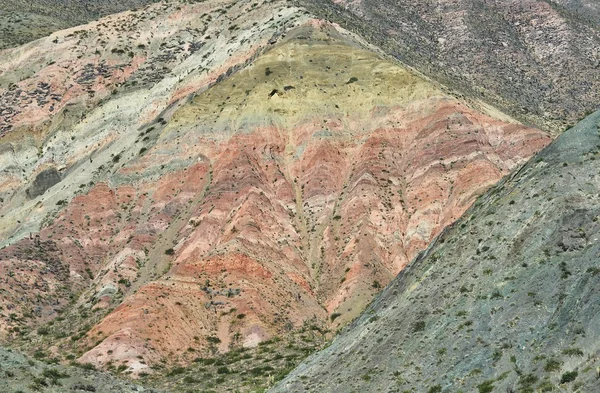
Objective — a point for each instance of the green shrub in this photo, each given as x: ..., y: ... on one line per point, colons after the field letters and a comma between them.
x: 435, y: 389
x: 190, y: 379
x: 176, y: 371
x: 334, y: 316
x: 486, y: 387
x: 419, y: 326
x: 569, y: 376
x: 43, y: 331
x: 213, y: 339
x: 223, y: 370
x: 552, y: 365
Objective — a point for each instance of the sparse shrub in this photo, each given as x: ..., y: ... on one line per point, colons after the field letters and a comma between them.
x: 435, y: 389
x: 497, y: 355
x: 486, y: 387
x: 54, y: 375
x: 526, y: 381
x: 419, y: 326
x: 223, y: 370
x: 572, y: 352
x: 552, y: 365
x: 213, y: 339
x: 569, y: 376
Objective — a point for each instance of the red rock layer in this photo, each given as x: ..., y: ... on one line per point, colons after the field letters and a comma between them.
x: 287, y: 194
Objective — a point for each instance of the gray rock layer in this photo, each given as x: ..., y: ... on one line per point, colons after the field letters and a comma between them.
x: 505, y: 300
x: 43, y: 181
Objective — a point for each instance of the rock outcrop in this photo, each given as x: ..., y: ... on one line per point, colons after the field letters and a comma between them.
x: 43, y: 181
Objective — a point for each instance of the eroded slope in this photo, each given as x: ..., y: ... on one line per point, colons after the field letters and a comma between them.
x: 22, y: 21
x: 20, y: 374
x: 220, y: 175
x: 538, y: 60
x: 504, y: 300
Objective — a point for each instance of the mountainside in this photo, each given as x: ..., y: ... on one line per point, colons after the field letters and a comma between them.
x: 537, y: 60
x: 220, y: 185
x: 504, y: 300
x: 22, y: 21
x: 20, y: 374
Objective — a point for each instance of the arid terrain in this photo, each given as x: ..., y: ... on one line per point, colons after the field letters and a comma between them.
x: 505, y: 300
x: 22, y: 21
x: 198, y: 195
x: 537, y: 60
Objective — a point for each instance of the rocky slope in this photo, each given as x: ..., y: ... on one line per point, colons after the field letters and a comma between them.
x: 22, y: 21
x: 506, y: 299
x: 221, y: 184
x: 538, y: 60
x: 20, y: 374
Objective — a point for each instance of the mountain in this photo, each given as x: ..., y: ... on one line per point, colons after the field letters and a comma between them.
x: 22, y: 21
x: 505, y: 299
x: 536, y: 60
x: 201, y: 193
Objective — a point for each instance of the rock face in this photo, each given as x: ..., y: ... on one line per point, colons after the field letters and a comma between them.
x: 43, y: 181
x: 538, y: 60
x: 506, y: 299
x: 231, y: 174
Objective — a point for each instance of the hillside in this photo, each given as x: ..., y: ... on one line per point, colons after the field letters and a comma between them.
x: 536, y: 60
x: 20, y: 374
x: 504, y: 300
x: 201, y: 194
x: 22, y: 21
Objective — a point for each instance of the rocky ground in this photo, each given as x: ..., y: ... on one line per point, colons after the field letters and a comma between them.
x: 537, y: 60
x: 22, y: 21
x: 200, y: 194
x: 19, y: 374
x: 195, y: 179
x: 505, y: 300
